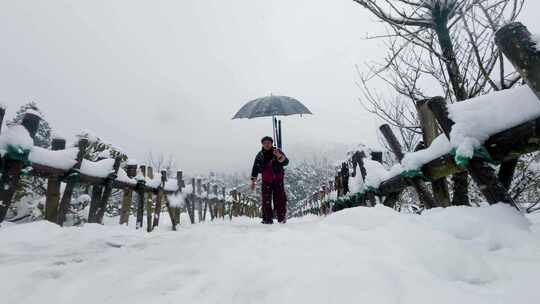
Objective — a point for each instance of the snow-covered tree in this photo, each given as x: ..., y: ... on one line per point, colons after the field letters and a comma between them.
x: 305, y: 178
x: 43, y: 135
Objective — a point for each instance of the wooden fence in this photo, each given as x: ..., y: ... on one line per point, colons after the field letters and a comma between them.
x: 153, y: 191
x: 505, y: 147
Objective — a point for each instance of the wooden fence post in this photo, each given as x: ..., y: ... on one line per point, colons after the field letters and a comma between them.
x: 2, y: 113
x: 31, y: 123
x: 506, y: 172
x: 180, y: 184
x: 430, y: 131
x: 71, y: 181
x: 97, y: 192
x: 53, y: 186
x: 482, y: 174
x: 190, y: 205
x: 95, y: 201
x: 358, y: 161
x: 378, y: 157
x: 131, y: 171
x: 213, y: 202
x: 206, y: 201
x: 140, y: 196
x: 174, y: 213
x: 337, y: 184
x: 391, y: 199
x: 232, y: 210
x: 199, y: 199
x: 223, y: 202
x: 159, y: 200
x: 344, y: 178
x: 107, y: 191
x: 423, y: 194
x: 149, y: 200
x: 516, y: 42
x: 459, y: 180
x: 13, y: 168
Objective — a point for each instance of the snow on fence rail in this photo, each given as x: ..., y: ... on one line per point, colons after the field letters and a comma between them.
x: 493, y: 129
x: 59, y: 165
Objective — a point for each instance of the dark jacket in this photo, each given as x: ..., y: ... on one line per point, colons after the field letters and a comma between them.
x: 262, y: 159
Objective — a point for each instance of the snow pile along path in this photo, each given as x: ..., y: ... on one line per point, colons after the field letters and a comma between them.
x: 360, y: 255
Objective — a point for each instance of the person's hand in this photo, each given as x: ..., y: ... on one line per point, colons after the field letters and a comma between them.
x: 253, y: 185
x: 280, y: 157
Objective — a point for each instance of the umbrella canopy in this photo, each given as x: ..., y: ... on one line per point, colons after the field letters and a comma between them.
x: 272, y: 106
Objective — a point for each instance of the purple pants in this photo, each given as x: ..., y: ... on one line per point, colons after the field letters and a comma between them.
x: 276, y: 191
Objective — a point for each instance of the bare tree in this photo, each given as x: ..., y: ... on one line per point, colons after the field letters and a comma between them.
x: 446, y: 42
x: 161, y: 161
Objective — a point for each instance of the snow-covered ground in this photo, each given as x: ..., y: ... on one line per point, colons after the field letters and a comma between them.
x: 360, y: 255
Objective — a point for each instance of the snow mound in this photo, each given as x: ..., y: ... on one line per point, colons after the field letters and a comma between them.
x: 373, y: 255
x: 101, y: 168
x: 61, y: 159
x: 415, y: 160
x: 16, y: 135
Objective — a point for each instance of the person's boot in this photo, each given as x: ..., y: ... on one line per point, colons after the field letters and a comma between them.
x: 267, y: 222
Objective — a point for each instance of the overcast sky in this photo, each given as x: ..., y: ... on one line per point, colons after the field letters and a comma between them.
x: 167, y: 76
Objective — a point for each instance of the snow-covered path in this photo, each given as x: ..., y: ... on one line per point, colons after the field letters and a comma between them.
x: 372, y: 255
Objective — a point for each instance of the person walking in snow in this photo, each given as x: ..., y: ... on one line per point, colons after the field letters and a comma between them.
x: 270, y: 162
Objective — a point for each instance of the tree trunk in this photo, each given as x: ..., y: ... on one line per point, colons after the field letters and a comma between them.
x: 459, y: 181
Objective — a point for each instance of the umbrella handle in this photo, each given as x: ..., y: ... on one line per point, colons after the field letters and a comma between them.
x: 279, y: 138
x: 274, y: 129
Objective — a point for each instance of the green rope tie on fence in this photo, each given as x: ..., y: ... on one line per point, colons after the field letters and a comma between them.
x: 480, y: 153
x: 140, y: 183
x: 412, y: 173
x: 72, y: 175
x: 19, y: 153
x: 356, y: 198
x: 370, y: 189
x: 348, y: 201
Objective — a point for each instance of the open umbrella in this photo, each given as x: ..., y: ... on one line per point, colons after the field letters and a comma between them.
x: 272, y: 106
